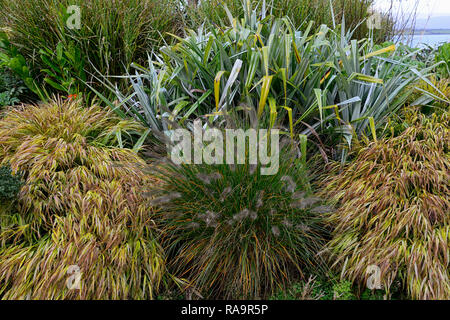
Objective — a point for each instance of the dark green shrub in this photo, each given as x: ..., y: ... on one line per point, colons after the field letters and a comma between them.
x: 12, y: 60
x: 64, y: 68
x: 325, y: 288
x: 372, y: 295
x: 7, y: 98
x: 317, y: 81
x: 10, y: 184
x: 443, y: 55
x: 12, y: 88
x: 343, y: 291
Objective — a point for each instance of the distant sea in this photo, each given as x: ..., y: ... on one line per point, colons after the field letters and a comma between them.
x: 433, y: 40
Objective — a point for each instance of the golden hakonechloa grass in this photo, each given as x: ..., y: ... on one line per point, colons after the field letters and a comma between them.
x: 395, y: 210
x: 82, y: 205
x: 438, y: 89
x: 234, y: 233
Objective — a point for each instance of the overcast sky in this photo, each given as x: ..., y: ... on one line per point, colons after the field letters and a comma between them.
x: 425, y: 8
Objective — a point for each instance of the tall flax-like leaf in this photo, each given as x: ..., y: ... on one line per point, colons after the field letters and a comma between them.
x: 265, y: 89
x: 372, y: 128
x: 265, y: 59
x: 379, y: 52
x: 273, y: 112
x: 217, y: 88
x: 231, y: 80
x: 365, y: 78
x: 303, y: 145
x: 291, y: 122
x: 208, y: 49
x: 319, y: 96
x: 284, y: 77
x: 252, y: 68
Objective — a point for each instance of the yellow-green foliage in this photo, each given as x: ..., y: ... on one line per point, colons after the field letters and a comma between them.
x: 82, y: 204
x: 438, y: 89
x: 395, y: 210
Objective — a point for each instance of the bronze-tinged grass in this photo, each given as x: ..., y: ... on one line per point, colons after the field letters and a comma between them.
x: 233, y: 233
x: 82, y: 205
x: 356, y: 12
x: 395, y: 210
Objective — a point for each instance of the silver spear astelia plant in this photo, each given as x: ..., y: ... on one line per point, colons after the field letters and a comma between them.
x: 311, y: 81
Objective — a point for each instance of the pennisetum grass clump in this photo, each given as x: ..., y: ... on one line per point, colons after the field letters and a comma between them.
x: 234, y: 233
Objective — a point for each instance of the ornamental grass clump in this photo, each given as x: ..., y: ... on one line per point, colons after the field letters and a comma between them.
x: 10, y: 185
x: 308, y: 81
x: 111, y: 34
x: 81, y: 211
x: 395, y: 211
x: 234, y: 233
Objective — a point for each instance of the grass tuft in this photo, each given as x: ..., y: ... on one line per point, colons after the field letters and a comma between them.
x: 81, y: 205
x: 234, y: 233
